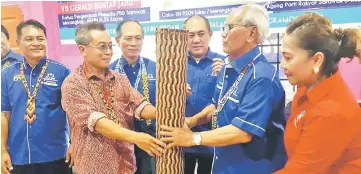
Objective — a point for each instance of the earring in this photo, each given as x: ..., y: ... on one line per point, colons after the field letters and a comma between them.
x: 316, y: 70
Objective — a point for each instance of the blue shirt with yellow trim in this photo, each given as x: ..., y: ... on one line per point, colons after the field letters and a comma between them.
x: 256, y: 107
x: 203, y: 83
x: 46, y: 139
x: 12, y: 58
x: 132, y: 71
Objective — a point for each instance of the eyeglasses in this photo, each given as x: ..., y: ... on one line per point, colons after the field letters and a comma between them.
x: 102, y: 48
x: 229, y: 27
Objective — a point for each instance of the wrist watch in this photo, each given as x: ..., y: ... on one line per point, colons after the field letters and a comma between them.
x: 197, y: 138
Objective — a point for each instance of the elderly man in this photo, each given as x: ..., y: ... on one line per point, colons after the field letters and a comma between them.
x: 8, y: 57
x: 34, y: 127
x: 248, y: 111
x: 203, y: 68
x: 138, y: 70
x: 102, y: 106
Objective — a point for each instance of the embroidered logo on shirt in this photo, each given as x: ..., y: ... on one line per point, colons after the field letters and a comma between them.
x: 17, y: 77
x: 50, y: 80
x: 298, y: 118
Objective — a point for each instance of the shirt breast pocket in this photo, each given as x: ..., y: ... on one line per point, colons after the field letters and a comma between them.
x: 51, y: 95
x: 210, y: 84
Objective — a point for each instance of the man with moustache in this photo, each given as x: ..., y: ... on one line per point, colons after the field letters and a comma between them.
x: 34, y: 127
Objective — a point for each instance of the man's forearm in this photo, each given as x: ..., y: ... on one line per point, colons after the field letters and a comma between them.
x: 202, y: 117
x: 5, y: 116
x: 225, y: 136
x: 112, y: 130
x: 148, y: 112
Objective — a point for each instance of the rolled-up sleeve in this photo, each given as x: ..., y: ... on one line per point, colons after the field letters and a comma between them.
x: 79, y: 104
x: 255, y: 110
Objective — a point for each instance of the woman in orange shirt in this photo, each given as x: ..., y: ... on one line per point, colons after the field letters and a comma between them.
x: 323, y: 133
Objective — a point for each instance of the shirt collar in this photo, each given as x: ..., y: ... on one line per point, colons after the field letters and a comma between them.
x: 324, y: 87
x: 39, y: 65
x: 125, y: 63
x: 241, y: 62
x: 89, y: 75
x: 209, y: 55
x: 12, y: 55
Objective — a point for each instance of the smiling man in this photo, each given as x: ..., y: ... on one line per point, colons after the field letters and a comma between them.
x: 141, y: 72
x: 102, y: 106
x: 34, y: 127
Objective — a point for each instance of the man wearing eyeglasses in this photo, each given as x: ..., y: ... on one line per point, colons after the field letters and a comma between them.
x: 141, y: 73
x: 102, y: 106
x: 203, y: 68
x: 247, y: 113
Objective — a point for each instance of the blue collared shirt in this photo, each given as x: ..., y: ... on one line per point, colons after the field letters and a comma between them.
x: 203, y: 83
x: 132, y: 72
x: 12, y: 58
x: 256, y: 107
x: 46, y: 139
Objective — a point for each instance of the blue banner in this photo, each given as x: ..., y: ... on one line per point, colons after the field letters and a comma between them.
x: 273, y: 6
x: 106, y: 17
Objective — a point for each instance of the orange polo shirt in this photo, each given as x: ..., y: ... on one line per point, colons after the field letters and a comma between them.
x: 323, y: 133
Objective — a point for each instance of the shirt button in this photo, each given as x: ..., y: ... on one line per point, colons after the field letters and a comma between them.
x: 216, y: 157
x: 226, y: 76
x: 33, y: 74
x: 133, y: 72
x: 32, y: 86
x: 30, y: 127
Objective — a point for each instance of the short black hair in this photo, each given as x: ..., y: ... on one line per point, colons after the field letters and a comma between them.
x: 204, y: 19
x: 5, y: 31
x: 30, y: 22
x: 119, y: 27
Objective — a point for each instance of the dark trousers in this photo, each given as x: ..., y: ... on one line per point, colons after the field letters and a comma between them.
x: 145, y: 162
x: 53, y: 167
x: 204, y: 163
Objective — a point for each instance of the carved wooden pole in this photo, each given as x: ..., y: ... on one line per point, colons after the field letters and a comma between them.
x: 171, y: 84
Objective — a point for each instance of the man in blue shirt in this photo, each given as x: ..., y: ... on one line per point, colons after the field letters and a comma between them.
x: 34, y: 127
x: 247, y: 113
x: 203, y: 68
x: 141, y: 73
x: 8, y: 57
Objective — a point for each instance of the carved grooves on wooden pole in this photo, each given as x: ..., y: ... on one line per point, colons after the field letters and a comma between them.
x: 171, y: 84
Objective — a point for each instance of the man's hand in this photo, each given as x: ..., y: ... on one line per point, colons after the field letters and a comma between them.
x: 6, y: 165
x: 149, y: 144
x: 189, y: 90
x: 217, y: 65
x: 70, y: 157
x: 177, y: 136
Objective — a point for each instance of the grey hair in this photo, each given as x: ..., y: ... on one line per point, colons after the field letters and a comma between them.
x: 256, y: 15
x: 82, y: 33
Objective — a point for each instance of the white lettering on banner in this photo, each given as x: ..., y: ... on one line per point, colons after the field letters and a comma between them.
x: 81, y: 7
x: 104, y: 5
x: 307, y: 3
x: 282, y: 19
x: 134, y: 12
x: 125, y: 3
x: 167, y: 15
x: 290, y: 4
x: 273, y: 6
